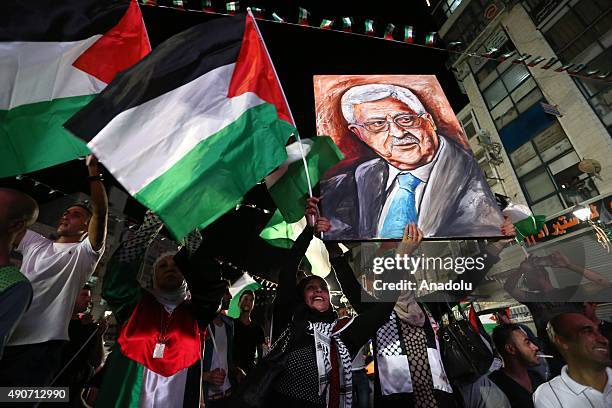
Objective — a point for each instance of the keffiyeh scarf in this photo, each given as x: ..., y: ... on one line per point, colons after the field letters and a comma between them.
x: 393, y: 364
x: 336, y: 382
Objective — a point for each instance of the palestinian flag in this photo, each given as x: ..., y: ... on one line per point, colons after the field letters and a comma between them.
x: 369, y: 27
x: 303, y: 17
x: 192, y: 127
x: 282, y: 234
x: 490, y: 53
x: 245, y: 282
x: 326, y: 24
x: 505, y: 56
x: 232, y: 7
x: 409, y: 34
x: 207, y: 6
x: 389, y: 31
x: 54, y: 60
x: 258, y: 13
x: 347, y: 23
x: 430, y: 39
x: 536, y: 61
x: 525, y: 222
x: 288, y: 185
x: 550, y: 63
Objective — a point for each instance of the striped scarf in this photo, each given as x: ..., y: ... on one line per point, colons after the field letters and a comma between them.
x: 330, y: 350
x: 391, y: 355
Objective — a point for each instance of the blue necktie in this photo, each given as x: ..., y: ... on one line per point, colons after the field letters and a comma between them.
x: 402, y: 209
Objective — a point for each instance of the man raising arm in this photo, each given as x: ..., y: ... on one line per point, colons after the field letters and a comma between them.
x: 57, y: 270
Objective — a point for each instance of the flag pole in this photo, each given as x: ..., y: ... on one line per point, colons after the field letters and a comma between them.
x: 305, y: 164
x: 250, y: 13
x: 307, y: 175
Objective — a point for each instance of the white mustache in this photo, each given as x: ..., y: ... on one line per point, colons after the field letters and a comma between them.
x: 405, y: 140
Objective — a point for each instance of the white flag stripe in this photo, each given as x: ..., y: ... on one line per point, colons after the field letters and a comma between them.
x: 241, y: 283
x: 33, y: 72
x: 293, y: 155
x: 138, y: 149
x: 316, y: 253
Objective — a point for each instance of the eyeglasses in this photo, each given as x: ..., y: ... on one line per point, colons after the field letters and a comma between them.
x: 403, y: 121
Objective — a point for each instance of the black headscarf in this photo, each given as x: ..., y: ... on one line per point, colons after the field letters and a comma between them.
x: 303, y: 312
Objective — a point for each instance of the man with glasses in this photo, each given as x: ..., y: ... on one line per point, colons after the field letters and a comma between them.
x: 417, y: 175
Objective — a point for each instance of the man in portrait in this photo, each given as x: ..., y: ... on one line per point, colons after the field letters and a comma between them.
x: 416, y: 174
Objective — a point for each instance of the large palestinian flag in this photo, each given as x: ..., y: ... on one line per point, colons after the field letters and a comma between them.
x: 55, y: 56
x: 193, y: 126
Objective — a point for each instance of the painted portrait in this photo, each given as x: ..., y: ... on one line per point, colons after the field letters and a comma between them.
x: 406, y: 159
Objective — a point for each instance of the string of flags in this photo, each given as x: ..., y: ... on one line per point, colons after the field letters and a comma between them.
x: 266, y: 284
x: 52, y: 191
x: 430, y: 39
x: 253, y: 206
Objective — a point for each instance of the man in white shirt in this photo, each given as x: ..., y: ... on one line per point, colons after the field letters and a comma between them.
x: 57, y: 271
x: 586, y: 380
x: 219, y: 371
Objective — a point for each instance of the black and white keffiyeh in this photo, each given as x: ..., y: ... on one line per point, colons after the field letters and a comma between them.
x: 393, y: 367
x: 147, y: 247
x: 323, y: 334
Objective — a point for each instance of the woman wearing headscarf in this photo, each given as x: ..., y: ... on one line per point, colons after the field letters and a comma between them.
x: 319, y: 346
x: 163, y: 314
x: 409, y: 367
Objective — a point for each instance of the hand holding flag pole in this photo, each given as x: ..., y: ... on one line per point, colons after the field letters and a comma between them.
x: 310, y: 218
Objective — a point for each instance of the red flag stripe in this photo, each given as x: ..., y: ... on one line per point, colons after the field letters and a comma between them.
x: 118, y: 49
x: 255, y: 73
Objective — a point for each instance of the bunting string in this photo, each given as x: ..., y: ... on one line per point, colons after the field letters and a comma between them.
x: 53, y: 192
x: 431, y: 39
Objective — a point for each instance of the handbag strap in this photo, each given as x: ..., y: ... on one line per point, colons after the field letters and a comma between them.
x: 450, y: 329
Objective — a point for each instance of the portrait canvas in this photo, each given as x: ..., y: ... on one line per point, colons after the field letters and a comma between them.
x: 406, y: 159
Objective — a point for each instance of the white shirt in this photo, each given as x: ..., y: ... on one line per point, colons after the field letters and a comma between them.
x: 219, y: 358
x: 359, y: 360
x: 57, y: 273
x: 563, y: 392
x: 422, y: 173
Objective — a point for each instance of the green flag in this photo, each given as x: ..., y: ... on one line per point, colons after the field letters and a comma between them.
x: 288, y: 185
x: 282, y: 234
x: 245, y: 282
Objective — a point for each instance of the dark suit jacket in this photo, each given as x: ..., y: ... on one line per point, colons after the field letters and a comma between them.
x: 456, y: 201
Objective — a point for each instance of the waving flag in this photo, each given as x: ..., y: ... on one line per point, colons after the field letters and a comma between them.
x: 192, y: 127
x: 288, y: 185
x: 54, y: 58
x: 242, y: 284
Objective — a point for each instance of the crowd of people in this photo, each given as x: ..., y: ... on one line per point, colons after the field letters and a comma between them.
x: 178, y: 348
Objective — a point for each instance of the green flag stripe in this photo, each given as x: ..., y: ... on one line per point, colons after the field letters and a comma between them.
x: 32, y: 136
x: 121, y: 386
x: 289, y: 193
x: 214, y: 175
x: 234, y: 309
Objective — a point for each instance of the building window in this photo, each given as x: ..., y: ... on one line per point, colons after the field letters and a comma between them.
x: 444, y: 9
x: 470, y: 23
x: 547, y: 168
x: 509, y: 90
x: 581, y: 33
x: 480, y: 146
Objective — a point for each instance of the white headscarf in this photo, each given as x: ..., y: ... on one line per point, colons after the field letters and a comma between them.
x: 170, y: 299
x: 408, y: 310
